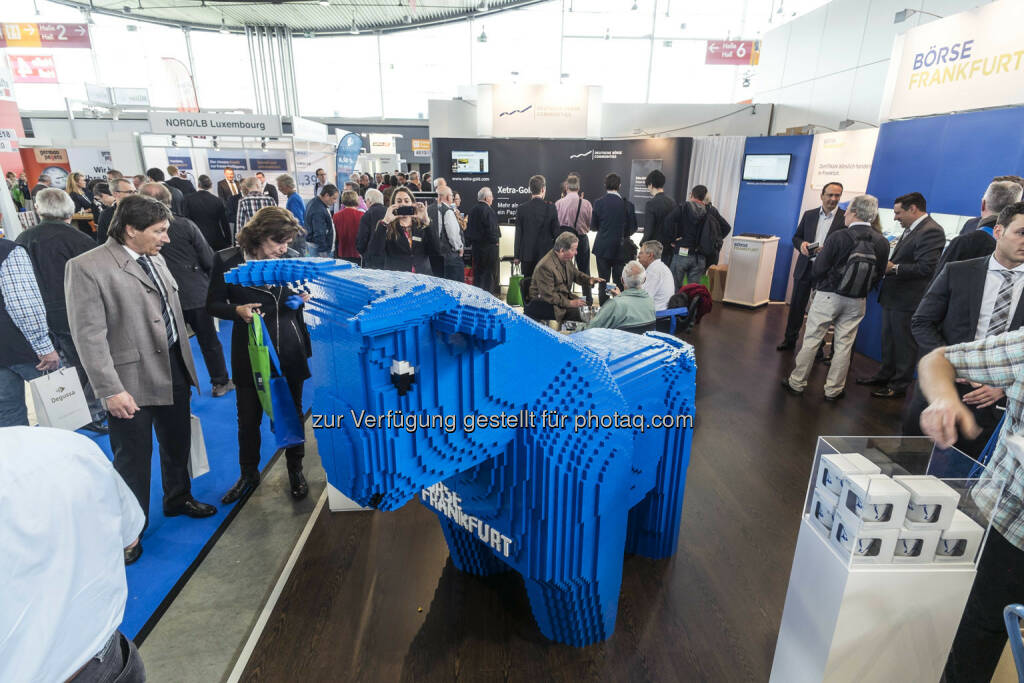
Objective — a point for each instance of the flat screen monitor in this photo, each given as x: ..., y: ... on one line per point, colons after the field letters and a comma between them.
x: 766, y: 168
x: 470, y: 162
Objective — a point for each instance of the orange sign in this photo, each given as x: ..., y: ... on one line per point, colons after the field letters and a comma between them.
x: 21, y: 35
x: 420, y: 147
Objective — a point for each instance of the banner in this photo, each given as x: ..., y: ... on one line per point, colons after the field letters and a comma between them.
x: 734, y: 52
x: 33, y: 68
x: 44, y: 35
x: 970, y: 60
x: 182, y: 161
x: 91, y: 161
x: 219, y: 163
x: 238, y: 125
x: 420, y: 148
x: 548, y: 111
x: 268, y: 164
x: 184, y: 87
x: 347, y: 153
x: 382, y: 144
x: 843, y: 157
x: 51, y: 161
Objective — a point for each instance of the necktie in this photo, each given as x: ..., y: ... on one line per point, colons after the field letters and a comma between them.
x: 231, y: 184
x: 906, y: 231
x: 165, y: 310
x: 1001, y: 311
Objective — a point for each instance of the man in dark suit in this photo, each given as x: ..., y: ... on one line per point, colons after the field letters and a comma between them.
x: 127, y: 323
x: 206, y: 210
x: 483, y: 234
x: 267, y: 188
x: 656, y: 212
x: 375, y: 211
x: 973, y: 224
x: 44, y: 182
x: 177, y: 198
x: 229, y: 187
x: 980, y: 241
x: 184, y: 185
x: 907, y: 275
x: 614, y: 220
x: 968, y: 301
x: 536, y: 227
x: 815, y: 226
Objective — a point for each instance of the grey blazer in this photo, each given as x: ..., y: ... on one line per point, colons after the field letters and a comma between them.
x: 116, y: 322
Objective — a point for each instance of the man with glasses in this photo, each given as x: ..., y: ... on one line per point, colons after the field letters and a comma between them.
x: 321, y: 181
x: 119, y: 188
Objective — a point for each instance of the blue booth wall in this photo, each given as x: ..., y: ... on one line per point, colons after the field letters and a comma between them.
x: 950, y: 160
x: 774, y: 208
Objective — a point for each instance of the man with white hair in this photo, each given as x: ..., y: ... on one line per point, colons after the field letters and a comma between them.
x: 659, y: 283
x: 850, y: 264
x: 981, y: 241
x: 50, y: 245
x: 483, y: 234
x: 448, y: 235
x: 373, y: 215
x: 634, y: 306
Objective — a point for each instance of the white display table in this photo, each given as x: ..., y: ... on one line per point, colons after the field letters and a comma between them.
x: 751, y: 267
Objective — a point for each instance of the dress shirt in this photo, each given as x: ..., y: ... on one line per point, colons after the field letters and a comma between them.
x: 824, y: 223
x: 998, y: 361
x: 659, y: 284
x: 160, y: 288
x: 249, y: 205
x: 993, y: 281
x: 63, y: 574
x: 567, y: 207
x: 23, y: 302
x: 451, y: 227
x: 906, y: 233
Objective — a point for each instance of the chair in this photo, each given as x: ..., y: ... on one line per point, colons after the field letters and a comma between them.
x: 669, y: 315
x: 640, y: 329
x: 1012, y: 616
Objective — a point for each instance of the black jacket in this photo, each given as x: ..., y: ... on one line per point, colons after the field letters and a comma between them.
x: 536, y: 229
x: 917, y: 256
x: 271, y: 192
x: 614, y: 219
x: 367, y: 223
x: 482, y: 225
x: 656, y: 223
x: 807, y: 231
x: 948, y: 314
x: 190, y: 260
x: 971, y: 225
x: 206, y: 210
x: 82, y: 203
x: 103, y: 223
x: 287, y: 328
x: 686, y: 220
x: 969, y: 245
x: 400, y: 254
x: 177, y: 199
x: 183, y: 185
x: 50, y: 245
x: 224, y: 190
x: 827, y: 270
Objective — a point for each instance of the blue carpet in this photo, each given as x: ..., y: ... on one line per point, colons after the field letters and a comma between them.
x: 171, y: 544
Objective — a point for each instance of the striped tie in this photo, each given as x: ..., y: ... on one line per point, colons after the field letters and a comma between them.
x: 1001, y: 312
x: 165, y: 311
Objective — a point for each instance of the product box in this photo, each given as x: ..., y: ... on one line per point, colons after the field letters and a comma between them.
x: 916, y: 546
x: 833, y: 468
x: 877, y: 500
x: 867, y: 545
x: 823, y: 508
x: 960, y: 542
x: 932, y: 502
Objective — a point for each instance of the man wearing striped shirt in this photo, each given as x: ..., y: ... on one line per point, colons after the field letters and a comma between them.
x: 251, y: 201
x: 25, y: 347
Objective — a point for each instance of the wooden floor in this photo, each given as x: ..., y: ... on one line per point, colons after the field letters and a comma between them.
x: 375, y: 598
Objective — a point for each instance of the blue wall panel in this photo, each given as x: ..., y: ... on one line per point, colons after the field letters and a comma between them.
x: 774, y: 208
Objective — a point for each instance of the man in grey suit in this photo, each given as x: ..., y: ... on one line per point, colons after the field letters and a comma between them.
x: 126, y: 319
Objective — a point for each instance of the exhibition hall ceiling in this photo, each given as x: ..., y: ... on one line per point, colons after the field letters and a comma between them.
x: 320, y: 17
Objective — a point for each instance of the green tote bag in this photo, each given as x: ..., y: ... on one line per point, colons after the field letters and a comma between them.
x: 515, y: 292
x: 259, y: 359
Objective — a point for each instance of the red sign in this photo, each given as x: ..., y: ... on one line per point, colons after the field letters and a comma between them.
x: 44, y: 35
x: 33, y: 68
x: 736, y: 52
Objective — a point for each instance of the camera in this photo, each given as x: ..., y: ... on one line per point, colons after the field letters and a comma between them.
x: 405, y: 210
x: 813, y: 249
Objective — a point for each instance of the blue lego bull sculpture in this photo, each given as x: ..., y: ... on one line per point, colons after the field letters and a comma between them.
x: 437, y: 390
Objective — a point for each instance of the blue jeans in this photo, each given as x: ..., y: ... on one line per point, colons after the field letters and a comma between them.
x: 13, y: 411
x: 690, y: 267
x: 315, y: 251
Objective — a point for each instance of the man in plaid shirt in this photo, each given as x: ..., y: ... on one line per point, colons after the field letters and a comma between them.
x: 26, y: 350
x: 996, y: 361
x: 251, y: 201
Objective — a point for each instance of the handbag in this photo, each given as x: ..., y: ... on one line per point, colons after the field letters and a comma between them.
x: 515, y: 292
x: 198, y: 463
x: 59, y: 400
x: 272, y: 388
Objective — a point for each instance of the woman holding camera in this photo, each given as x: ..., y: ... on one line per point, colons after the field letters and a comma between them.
x: 266, y: 236
x: 403, y: 240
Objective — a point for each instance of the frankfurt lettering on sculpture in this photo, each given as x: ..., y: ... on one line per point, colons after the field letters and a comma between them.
x: 448, y: 503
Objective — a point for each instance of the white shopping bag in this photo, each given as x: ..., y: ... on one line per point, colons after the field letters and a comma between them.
x: 198, y: 464
x: 59, y: 400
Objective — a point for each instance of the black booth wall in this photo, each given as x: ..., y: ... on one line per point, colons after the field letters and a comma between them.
x: 513, y: 161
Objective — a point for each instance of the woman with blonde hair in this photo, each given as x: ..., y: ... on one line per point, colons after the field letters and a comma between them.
x: 75, y: 187
x: 403, y: 239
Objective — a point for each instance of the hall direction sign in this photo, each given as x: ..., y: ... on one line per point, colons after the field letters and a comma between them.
x: 44, y: 35
x: 235, y: 125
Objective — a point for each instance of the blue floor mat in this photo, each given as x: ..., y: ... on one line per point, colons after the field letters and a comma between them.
x: 172, y: 544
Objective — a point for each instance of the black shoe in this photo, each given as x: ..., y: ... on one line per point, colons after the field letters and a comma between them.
x: 242, y: 488
x: 132, y: 554
x: 298, y: 483
x: 872, y: 381
x: 786, y: 346
x: 97, y: 427
x: 889, y: 392
x: 840, y: 395
x: 789, y: 389
x: 192, y: 508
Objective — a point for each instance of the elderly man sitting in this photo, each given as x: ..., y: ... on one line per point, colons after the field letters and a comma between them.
x: 659, y: 283
x: 634, y: 306
x: 551, y: 296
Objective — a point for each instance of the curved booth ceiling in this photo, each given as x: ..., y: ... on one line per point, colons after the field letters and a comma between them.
x: 311, y: 17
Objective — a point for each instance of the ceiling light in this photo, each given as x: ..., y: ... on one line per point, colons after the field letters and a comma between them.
x: 88, y: 17
x: 482, y: 38
x: 126, y: 9
x: 325, y: 3
x: 483, y: 6
x: 779, y: 11
x: 223, y: 26
x: 635, y: 6
x: 355, y: 29
x: 607, y: 34
x: 905, y: 14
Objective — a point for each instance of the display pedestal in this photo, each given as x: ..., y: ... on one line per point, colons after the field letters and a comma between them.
x: 339, y: 502
x: 751, y: 267
x: 866, y: 623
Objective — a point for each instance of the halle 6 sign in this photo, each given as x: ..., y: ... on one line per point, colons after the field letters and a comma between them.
x: 736, y: 52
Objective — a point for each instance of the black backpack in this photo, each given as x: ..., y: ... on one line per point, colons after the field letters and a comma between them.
x: 710, y: 241
x: 859, y: 273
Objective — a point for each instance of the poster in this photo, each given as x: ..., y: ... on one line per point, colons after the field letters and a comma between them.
x: 639, y: 169
x: 844, y: 157
x: 49, y: 160
x: 549, y: 111
x: 91, y: 161
x: 349, y: 148
x: 33, y: 68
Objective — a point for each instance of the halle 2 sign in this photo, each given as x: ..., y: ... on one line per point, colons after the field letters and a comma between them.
x: 44, y: 35
x: 735, y: 52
